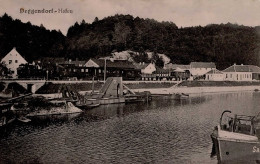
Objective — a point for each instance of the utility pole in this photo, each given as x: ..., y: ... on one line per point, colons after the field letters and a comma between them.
x: 105, y: 69
x: 47, y: 75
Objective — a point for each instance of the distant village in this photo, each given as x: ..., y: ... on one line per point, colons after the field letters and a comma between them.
x: 15, y: 66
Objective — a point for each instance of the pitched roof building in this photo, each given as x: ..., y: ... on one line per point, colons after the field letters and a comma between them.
x: 242, y: 73
x: 214, y: 75
x: 201, y: 68
x: 123, y: 64
x: 12, y: 61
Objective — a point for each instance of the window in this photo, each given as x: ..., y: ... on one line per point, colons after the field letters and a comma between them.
x: 82, y: 70
x: 86, y: 70
x: 16, y: 61
x: 10, y: 61
x: 99, y: 70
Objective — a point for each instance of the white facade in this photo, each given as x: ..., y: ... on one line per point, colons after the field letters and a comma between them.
x: 215, y: 77
x: 91, y: 63
x: 199, y: 71
x: 238, y: 76
x: 149, y: 69
x: 12, y: 60
x: 240, y: 72
x: 201, y: 68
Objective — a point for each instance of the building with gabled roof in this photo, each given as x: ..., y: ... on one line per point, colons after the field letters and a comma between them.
x: 201, y: 68
x: 123, y: 68
x: 12, y: 61
x: 214, y: 75
x: 242, y: 73
x: 146, y: 68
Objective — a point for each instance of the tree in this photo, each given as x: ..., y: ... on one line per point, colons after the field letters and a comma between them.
x: 96, y: 19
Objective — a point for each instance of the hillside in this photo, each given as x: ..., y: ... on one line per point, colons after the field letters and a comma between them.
x: 30, y: 41
x: 224, y: 44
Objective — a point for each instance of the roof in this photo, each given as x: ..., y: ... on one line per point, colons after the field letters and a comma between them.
x: 202, y: 65
x: 175, y: 66
x: 141, y: 65
x: 161, y: 70
x: 52, y: 60
x: 13, y: 54
x: 215, y: 71
x: 114, y: 64
x: 185, y: 67
x: 242, y: 68
x: 179, y: 70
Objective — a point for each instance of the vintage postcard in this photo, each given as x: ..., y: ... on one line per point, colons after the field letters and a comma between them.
x: 129, y: 81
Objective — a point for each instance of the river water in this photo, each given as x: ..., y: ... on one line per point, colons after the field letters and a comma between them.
x: 161, y: 131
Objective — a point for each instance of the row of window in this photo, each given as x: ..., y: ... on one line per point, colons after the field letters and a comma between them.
x: 11, y: 61
x: 215, y: 75
x: 242, y: 76
x: 201, y: 68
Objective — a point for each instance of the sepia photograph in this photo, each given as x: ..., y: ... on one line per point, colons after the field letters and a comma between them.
x: 130, y: 81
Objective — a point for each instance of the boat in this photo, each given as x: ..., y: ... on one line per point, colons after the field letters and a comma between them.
x: 238, y: 139
x: 144, y: 96
x: 6, y: 115
x: 23, y: 119
x: 56, y: 108
x: 6, y: 120
x: 173, y: 96
x: 110, y: 93
x: 180, y: 96
x: 88, y: 106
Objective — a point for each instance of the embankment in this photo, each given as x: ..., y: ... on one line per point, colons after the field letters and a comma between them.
x: 191, y: 87
x: 191, y: 90
x: 160, y: 87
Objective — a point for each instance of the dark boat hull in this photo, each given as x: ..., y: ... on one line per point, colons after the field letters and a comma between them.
x: 236, y: 151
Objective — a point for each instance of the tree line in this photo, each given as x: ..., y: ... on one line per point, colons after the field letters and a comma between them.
x: 224, y: 44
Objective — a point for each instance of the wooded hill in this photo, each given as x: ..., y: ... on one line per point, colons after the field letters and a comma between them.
x: 224, y: 44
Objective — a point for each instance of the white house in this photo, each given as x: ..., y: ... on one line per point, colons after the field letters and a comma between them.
x: 12, y: 60
x: 201, y: 68
x: 241, y: 73
x: 146, y: 68
x: 214, y: 75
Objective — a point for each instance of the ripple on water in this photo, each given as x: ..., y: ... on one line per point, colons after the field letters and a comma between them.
x: 163, y: 131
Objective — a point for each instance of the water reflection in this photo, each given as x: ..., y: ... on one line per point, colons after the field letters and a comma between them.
x: 161, y: 131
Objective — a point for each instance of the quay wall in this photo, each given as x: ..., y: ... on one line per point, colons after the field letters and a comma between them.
x: 155, y: 87
x: 191, y: 90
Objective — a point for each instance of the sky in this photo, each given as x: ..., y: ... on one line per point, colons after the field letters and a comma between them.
x: 184, y: 13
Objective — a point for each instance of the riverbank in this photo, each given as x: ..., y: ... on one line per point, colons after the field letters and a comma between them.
x: 218, y: 83
x: 156, y: 87
x: 193, y: 90
x: 50, y: 88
